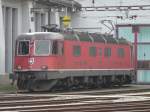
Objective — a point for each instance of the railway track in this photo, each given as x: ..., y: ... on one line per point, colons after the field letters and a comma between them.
x: 78, y: 102
x: 122, y: 90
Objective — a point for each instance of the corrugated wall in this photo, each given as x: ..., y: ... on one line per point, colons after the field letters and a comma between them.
x: 143, y: 56
x: 143, y: 76
x: 144, y: 52
x: 2, y: 43
x: 144, y: 35
x: 126, y: 32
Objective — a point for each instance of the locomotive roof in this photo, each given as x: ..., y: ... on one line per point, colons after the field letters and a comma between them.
x: 41, y: 35
x: 78, y: 36
x: 93, y: 37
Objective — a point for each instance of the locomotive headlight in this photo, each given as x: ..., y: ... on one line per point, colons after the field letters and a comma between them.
x: 31, y: 61
x: 19, y: 67
x: 44, y: 67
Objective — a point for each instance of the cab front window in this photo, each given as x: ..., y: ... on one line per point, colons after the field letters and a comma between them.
x: 23, y: 48
x: 43, y: 47
x: 48, y: 47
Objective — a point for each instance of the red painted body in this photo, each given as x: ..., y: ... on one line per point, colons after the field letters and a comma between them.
x: 69, y: 61
x: 47, y: 61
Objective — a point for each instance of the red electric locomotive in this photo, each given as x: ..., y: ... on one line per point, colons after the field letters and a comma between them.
x: 48, y: 61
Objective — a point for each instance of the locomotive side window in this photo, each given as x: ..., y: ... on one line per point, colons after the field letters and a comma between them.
x: 108, y: 52
x: 92, y: 51
x: 23, y: 47
x: 76, y: 50
x: 60, y: 48
x: 55, y: 48
x: 42, y: 47
x: 120, y: 52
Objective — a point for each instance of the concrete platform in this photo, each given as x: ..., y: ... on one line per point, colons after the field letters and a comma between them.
x: 4, y: 79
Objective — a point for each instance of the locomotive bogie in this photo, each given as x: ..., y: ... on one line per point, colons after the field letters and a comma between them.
x: 45, y: 81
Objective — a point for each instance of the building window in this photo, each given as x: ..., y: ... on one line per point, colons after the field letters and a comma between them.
x: 76, y: 50
x: 92, y: 51
x: 100, y: 51
x: 120, y: 52
x: 107, y: 52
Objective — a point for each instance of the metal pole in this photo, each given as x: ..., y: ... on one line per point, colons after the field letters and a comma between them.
x: 135, y: 31
x: 135, y: 49
x: 49, y: 14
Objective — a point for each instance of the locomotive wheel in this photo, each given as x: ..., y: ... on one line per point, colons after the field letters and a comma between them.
x: 43, y: 85
x: 107, y: 81
x: 22, y: 83
x: 119, y: 80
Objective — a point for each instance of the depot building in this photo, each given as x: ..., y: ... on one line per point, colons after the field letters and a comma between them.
x: 22, y: 16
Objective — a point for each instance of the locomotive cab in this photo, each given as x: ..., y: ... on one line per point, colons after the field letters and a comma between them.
x: 33, y: 52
